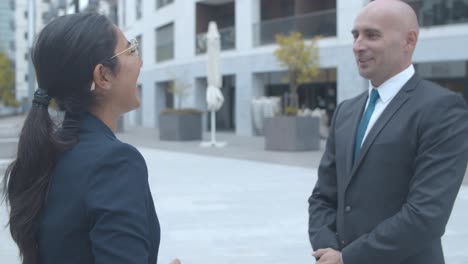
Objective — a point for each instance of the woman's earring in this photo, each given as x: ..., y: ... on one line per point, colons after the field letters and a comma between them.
x: 93, y: 87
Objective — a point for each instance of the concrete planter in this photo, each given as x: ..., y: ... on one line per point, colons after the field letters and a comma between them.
x: 178, y: 126
x: 292, y: 133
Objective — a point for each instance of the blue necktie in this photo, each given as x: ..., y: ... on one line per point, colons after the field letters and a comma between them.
x: 365, y: 122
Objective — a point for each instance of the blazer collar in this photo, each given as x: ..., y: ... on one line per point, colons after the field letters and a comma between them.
x: 91, y: 124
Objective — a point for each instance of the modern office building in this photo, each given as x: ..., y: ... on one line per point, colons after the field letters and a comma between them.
x: 44, y: 12
x: 172, y: 32
x: 7, y: 28
x: 21, y: 17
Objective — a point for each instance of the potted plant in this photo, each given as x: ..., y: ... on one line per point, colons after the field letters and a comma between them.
x: 288, y: 131
x: 180, y: 123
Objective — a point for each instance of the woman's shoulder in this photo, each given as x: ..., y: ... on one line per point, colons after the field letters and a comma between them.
x: 118, y: 152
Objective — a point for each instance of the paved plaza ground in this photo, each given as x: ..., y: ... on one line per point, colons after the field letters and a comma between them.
x: 237, y: 205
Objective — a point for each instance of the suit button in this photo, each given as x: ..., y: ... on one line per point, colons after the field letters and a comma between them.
x: 348, y: 209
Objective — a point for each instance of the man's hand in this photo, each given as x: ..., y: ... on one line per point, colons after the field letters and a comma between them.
x: 327, y: 256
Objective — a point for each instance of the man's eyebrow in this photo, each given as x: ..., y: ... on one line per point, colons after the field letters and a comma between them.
x: 371, y: 30
x: 367, y: 30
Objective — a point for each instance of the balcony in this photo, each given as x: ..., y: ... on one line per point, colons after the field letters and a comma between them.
x: 434, y: 12
x: 321, y: 23
x: 227, y: 37
x: 223, y: 13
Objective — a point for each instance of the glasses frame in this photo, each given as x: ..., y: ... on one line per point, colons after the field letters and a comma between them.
x: 133, y: 45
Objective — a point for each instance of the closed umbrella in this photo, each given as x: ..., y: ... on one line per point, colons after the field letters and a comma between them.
x: 214, y: 96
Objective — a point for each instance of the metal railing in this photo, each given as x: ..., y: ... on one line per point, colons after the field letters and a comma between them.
x: 321, y: 23
x: 228, y: 40
x: 436, y: 12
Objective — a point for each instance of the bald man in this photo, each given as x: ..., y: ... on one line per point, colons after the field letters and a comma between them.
x: 395, y: 157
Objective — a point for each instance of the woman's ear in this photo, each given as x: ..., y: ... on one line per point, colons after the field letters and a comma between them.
x: 101, y: 78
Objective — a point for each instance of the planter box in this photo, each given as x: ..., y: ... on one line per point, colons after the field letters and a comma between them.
x: 292, y: 133
x: 180, y: 126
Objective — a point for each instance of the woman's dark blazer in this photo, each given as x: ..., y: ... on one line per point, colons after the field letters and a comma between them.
x: 99, y: 207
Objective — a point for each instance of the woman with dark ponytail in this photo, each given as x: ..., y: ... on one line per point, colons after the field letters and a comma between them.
x: 77, y: 194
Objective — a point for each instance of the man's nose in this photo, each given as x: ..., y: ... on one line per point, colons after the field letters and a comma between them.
x: 358, y: 45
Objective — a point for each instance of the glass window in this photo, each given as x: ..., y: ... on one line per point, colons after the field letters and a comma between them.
x: 139, y: 39
x: 161, y: 3
x: 437, y: 12
x: 165, y: 42
x: 138, y: 9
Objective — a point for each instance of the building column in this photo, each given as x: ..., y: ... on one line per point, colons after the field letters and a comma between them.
x: 244, y: 95
x: 346, y: 13
x: 349, y: 82
x: 148, y: 100
x: 184, y: 30
x: 247, y: 13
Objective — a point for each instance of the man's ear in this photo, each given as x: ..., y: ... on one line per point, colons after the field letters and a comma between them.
x: 411, y: 40
x: 102, y: 77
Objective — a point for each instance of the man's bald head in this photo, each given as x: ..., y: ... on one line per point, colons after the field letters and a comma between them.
x: 385, y: 36
x: 400, y: 12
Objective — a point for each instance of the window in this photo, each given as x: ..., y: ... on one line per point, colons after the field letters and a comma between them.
x: 45, y: 17
x: 161, y: 3
x: 165, y: 42
x: 436, y: 12
x: 139, y: 39
x: 124, y: 14
x: 26, y: 14
x: 12, y: 5
x: 26, y: 78
x: 26, y: 57
x: 26, y: 35
x: 138, y: 9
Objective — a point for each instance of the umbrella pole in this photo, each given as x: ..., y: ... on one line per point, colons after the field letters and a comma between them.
x: 213, y: 127
x: 212, y: 142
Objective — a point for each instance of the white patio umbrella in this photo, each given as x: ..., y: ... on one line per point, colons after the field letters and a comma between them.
x: 214, y: 96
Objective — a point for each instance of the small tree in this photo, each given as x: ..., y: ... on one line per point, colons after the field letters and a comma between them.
x: 7, y: 82
x: 180, y: 89
x: 302, y: 63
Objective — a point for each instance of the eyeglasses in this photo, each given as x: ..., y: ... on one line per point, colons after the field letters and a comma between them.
x: 133, y: 48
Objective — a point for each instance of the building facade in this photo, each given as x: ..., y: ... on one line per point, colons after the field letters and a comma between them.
x: 44, y: 12
x: 21, y: 17
x: 7, y: 28
x: 171, y: 33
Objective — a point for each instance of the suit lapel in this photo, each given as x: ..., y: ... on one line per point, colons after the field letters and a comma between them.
x: 355, y: 117
x: 397, y: 102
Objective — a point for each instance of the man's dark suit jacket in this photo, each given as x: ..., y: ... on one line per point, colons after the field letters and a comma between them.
x: 392, y: 205
x: 99, y: 207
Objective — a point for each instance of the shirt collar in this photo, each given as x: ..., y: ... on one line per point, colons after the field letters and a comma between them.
x: 392, y: 86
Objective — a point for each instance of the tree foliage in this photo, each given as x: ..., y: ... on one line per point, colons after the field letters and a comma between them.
x: 7, y: 82
x: 179, y: 87
x: 300, y: 59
